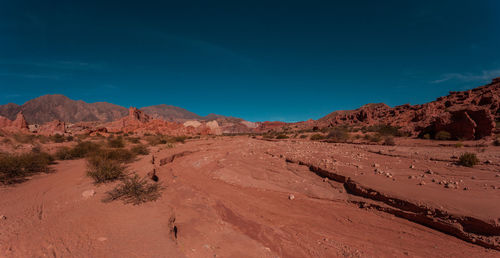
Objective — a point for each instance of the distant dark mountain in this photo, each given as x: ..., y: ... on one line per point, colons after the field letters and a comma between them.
x: 58, y: 107
x: 173, y: 113
x: 170, y: 113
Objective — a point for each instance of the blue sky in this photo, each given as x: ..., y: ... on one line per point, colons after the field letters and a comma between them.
x: 258, y: 60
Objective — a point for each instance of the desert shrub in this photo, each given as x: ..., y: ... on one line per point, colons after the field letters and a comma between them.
x: 374, y: 138
x: 316, y: 137
x: 57, y: 138
x: 282, y: 136
x: 116, y: 142
x: 134, y: 190
x: 426, y: 136
x: 140, y: 149
x: 385, y: 130
x: 70, y: 138
x: 175, y: 139
x: 64, y: 153
x: 102, y: 169
x: 80, y: 150
x: 82, y: 136
x: 442, y: 135
x: 133, y: 139
x: 459, y: 145
x: 268, y: 136
x: 121, y: 155
x: 389, y: 141
x: 303, y: 136
x: 468, y: 159
x: 14, y: 168
x: 338, y: 135
x: 24, y: 138
x: 154, y: 140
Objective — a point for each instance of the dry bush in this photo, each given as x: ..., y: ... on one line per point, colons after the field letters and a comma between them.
x: 338, y: 134
x: 102, y: 169
x: 140, y: 149
x: 80, y: 150
x: 154, y: 140
x: 116, y: 142
x: 468, y: 159
x: 317, y: 137
x: 57, y: 138
x: 24, y: 138
x: 389, y: 141
x: 442, y: 136
x: 14, y: 168
x: 282, y: 136
x: 135, y: 191
x: 121, y: 155
x: 133, y: 139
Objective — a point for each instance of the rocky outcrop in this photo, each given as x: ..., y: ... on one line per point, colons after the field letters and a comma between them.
x: 18, y: 125
x: 465, y: 115
x: 468, y: 124
x: 52, y: 128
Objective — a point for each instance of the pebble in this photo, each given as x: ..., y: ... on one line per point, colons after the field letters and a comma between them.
x: 2, y: 217
x: 412, y: 166
x: 87, y: 194
x: 291, y: 197
x: 429, y: 172
x: 421, y: 183
x: 375, y: 165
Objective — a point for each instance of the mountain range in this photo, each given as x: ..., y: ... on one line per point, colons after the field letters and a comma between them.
x: 59, y: 107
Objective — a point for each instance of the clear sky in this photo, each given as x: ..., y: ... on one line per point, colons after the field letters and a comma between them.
x: 258, y: 60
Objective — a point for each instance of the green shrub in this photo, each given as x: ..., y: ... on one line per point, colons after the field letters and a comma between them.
x: 317, y: 137
x: 14, y: 168
x: 140, y: 149
x: 442, y: 136
x: 116, y: 142
x: 135, y: 191
x: 282, y: 136
x: 468, y: 159
x: 103, y: 169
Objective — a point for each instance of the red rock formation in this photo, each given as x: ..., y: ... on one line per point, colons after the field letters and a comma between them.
x: 20, y: 122
x: 52, y: 128
x: 467, y: 114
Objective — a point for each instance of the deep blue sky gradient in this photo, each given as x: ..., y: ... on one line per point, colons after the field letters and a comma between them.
x: 258, y: 60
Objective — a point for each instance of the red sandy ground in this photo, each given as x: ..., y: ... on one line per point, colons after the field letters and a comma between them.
x: 230, y: 197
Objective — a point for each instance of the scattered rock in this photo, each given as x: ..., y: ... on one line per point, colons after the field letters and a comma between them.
x: 3, y: 217
x: 291, y: 197
x: 412, y: 166
x: 421, y: 183
x: 375, y: 165
x: 87, y: 194
x: 429, y: 172
x: 488, y: 162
